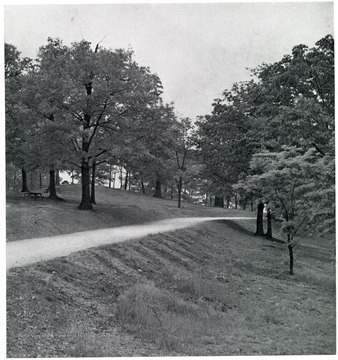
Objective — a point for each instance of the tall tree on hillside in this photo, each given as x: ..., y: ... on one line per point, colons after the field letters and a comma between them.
x: 295, y: 99
x: 151, y: 146
x: 183, y: 156
x: 225, y: 145
x: 290, y: 102
x: 301, y: 86
x: 99, y: 92
x: 43, y: 96
x: 19, y: 119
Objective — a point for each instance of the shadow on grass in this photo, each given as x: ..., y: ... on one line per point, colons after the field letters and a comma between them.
x: 236, y: 226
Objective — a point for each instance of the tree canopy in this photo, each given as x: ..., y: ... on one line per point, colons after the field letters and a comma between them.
x: 89, y: 110
x: 272, y: 138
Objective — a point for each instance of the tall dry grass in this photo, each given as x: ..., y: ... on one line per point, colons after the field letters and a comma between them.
x: 173, y: 323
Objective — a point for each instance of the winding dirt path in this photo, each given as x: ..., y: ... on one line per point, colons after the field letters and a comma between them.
x: 29, y: 251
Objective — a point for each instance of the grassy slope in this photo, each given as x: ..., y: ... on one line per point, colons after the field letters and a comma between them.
x: 209, y: 290
x: 36, y: 218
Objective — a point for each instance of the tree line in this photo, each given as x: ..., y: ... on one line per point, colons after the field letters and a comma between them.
x: 272, y: 139
x: 268, y: 142
x: 84, y: 110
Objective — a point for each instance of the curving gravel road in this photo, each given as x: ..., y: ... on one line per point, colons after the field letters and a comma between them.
x: 29, y: 251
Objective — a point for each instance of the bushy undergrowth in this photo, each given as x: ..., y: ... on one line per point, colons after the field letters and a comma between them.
x: 159, y: 316
x: 214, y: 291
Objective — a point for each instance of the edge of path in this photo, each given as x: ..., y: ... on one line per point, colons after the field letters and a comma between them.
x: 28, y: 251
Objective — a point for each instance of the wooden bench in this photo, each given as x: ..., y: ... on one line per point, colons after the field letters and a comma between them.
x: 33, y: 194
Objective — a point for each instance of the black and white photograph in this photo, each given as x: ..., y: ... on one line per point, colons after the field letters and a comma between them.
x: 170, y: 179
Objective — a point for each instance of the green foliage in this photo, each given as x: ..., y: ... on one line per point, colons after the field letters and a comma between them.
x: 297, y: 185
x: 225, y: 145
x: 84, y: 104
x: 273, y: 137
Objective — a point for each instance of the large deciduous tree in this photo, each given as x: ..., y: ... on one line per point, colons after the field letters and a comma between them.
x: 186, y: 169
x: 97, y: 95
x: 20, y: 122
x: 295, y: 174
x: 226, y: 143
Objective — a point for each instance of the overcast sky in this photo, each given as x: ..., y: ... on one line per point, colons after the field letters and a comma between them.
x: 198, y: 50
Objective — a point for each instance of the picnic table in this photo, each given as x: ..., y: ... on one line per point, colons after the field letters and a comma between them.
x: 33, y: 194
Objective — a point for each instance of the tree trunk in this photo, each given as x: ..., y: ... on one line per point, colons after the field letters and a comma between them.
x: 73, y: 177
x: 109, y: 175
x: 171, y: 192
x: 85, y: 203
x: 290, y: 248
x: 158, y: 187
x: 219, y: 201
x: 57, y: 177
x: 40, y: 178
x: 228, y: 202
x: 92, y: 195
x: 85, y: 184
x: 252, y: 205
x: 24, y: 180
x: 114, y: 179
x: 14, y: 179
x: 268, y: 234
x: 121, y: 177
x: 52, y: 185
x: 179, y: 189
x: 259, y: 225
x: 244, y: 203
x: 142, y: 184
x: 236, y: 201
x: 126, y: 181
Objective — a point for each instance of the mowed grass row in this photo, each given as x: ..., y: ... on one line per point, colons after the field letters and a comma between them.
x: 209, y: 290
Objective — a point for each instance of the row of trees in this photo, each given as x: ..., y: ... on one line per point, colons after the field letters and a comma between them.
x: 272, y: 139
x: 268, y: 141
x: 80, y: 109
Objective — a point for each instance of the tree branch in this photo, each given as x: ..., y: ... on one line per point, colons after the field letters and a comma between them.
x: 283, y: 205
x: 98, y: 122
x: 319, y: 150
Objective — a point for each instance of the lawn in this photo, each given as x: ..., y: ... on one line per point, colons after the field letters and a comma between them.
x: 209, y: 290
x: 39, y: 218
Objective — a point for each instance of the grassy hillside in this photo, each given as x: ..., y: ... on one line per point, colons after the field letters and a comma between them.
x: 209, y: 290
x: 35, y: 218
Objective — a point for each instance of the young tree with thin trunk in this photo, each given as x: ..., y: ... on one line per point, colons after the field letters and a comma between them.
x: 292, y: 181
